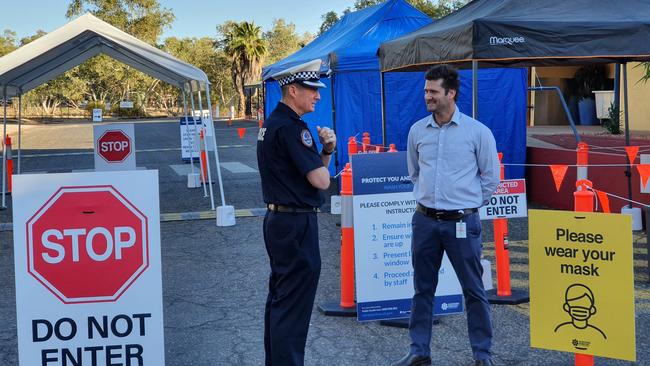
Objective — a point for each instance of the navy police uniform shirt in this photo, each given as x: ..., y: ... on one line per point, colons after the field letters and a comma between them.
x: 286, y: 152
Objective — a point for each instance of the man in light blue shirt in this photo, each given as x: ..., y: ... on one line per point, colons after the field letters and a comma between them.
x: 453, y: 163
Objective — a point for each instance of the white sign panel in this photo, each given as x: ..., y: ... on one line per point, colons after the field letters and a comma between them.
x: 114, y: 147
x: 97, y: 115
x: 88, y: 269
x: 383, y: 207
x: 508, y: 201
x: 189, y: 139
x: 126, y: 104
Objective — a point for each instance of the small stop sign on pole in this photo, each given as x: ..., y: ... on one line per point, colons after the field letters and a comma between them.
x: 87, y: 244
x: 114, y: 146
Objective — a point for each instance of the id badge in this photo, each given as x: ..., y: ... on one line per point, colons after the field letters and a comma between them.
x: 461, y: 230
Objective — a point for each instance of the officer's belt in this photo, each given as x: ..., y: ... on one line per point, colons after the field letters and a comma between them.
x: 444, y: 214
x: 281, y: 208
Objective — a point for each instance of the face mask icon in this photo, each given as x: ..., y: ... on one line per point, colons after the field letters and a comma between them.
x: 579, y: 313
x: 580, y: 304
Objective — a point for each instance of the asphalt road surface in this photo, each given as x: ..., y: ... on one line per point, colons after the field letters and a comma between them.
x: 215, y: 278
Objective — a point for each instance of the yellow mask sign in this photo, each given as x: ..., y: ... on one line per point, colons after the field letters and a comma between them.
x: 582, y: 283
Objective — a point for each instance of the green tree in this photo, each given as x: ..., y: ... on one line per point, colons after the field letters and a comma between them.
x: 108, y: 80
x: 243, y: 43
x: 7, y: 42
x: 646, y: 67
x: 143, y: 19
x: 329, y: 19
x: 201, y: 53
x: 282, y: 40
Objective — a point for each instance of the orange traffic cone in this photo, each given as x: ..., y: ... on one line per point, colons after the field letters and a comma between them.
x: 241, y: 131
x: 10, y: 163
x: 204, y: 165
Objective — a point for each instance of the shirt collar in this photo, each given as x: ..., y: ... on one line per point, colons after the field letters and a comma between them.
x: 455, y: 118
x: 286, y: 109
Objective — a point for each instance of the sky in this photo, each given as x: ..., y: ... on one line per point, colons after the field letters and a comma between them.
x: 194, y: 18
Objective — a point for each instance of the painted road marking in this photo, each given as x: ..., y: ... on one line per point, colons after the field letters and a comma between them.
x: 237, y: 167
x: 184, y: 169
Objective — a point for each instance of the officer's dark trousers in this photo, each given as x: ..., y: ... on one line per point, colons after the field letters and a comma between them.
x: 431, y: 238
x: 292, y: 245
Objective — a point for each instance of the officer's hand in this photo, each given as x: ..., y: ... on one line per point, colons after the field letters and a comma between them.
x: 327, y: 138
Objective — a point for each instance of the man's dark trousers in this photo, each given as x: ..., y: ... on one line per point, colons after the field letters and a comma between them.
x: 292, y: 245
x: 431, y: 238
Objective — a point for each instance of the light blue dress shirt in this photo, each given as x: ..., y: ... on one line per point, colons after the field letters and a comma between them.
x: 455, y: 166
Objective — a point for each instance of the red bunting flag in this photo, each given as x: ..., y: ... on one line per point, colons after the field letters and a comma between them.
x: 241, y: 132
x: 644, y: 172
x: 631, y: 152
x: 604, y: 200
x: 558, y: 172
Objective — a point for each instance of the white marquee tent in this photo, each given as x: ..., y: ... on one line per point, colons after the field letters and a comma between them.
x: 59, y: 51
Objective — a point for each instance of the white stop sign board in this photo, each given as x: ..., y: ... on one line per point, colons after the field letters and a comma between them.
x: 88, y: 269
x: 114, y: 147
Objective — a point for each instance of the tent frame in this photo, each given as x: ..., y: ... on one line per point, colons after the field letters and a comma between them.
x: 63, y: 49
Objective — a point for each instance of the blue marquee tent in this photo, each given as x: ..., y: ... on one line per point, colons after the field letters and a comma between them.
x: 351, y: 104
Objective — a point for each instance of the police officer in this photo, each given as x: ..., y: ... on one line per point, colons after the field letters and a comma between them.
x: 293, y: 174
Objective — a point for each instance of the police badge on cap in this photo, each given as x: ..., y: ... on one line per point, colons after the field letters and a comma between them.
x: 307, y: 75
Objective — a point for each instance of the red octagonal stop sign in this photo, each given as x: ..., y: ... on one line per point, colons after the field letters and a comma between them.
x: 114, y: 146
x: 87, y: 244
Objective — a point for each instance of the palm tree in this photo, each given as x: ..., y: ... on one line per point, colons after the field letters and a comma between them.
x: 244, y: 45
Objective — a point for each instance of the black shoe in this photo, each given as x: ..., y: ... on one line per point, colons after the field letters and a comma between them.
x: 485, y: 362
x: 413, y: 360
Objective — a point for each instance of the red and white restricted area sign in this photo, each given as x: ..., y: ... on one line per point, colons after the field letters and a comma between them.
x: 114, y: 146
x: 88, y: 268
x: 508, y: 201
x: 87, y: 244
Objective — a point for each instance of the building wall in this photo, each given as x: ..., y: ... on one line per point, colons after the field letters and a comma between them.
x: 639, y: 99
x: 548, y: 109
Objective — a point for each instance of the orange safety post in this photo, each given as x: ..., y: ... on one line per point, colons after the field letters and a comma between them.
x: 501, y: 250
x: 347, y: 239
x: 352, y: 146
x: 204, y: 165
x: 365, y: 142
x: 347, y: 305
x: 504, y: 293
x: 582, y: 160
x: 583, y: 202
x: 391, y: 148
x: 10, y: 163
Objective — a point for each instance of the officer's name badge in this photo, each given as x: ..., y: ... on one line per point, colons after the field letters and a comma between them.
x: 307, y: 140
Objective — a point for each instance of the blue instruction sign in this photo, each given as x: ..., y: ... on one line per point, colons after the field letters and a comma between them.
x: 383, y: 206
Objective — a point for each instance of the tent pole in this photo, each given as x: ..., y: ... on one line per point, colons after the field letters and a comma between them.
x: 628, y: 172
x: 383, y: 109
x: 214, y: 140
x: 474, y: 89
x: 336, y: 156
x: 4, y: 149
x: 617, y: 87
x: 207, y: 156
x: 196, y: 136
x: 20, y: 126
